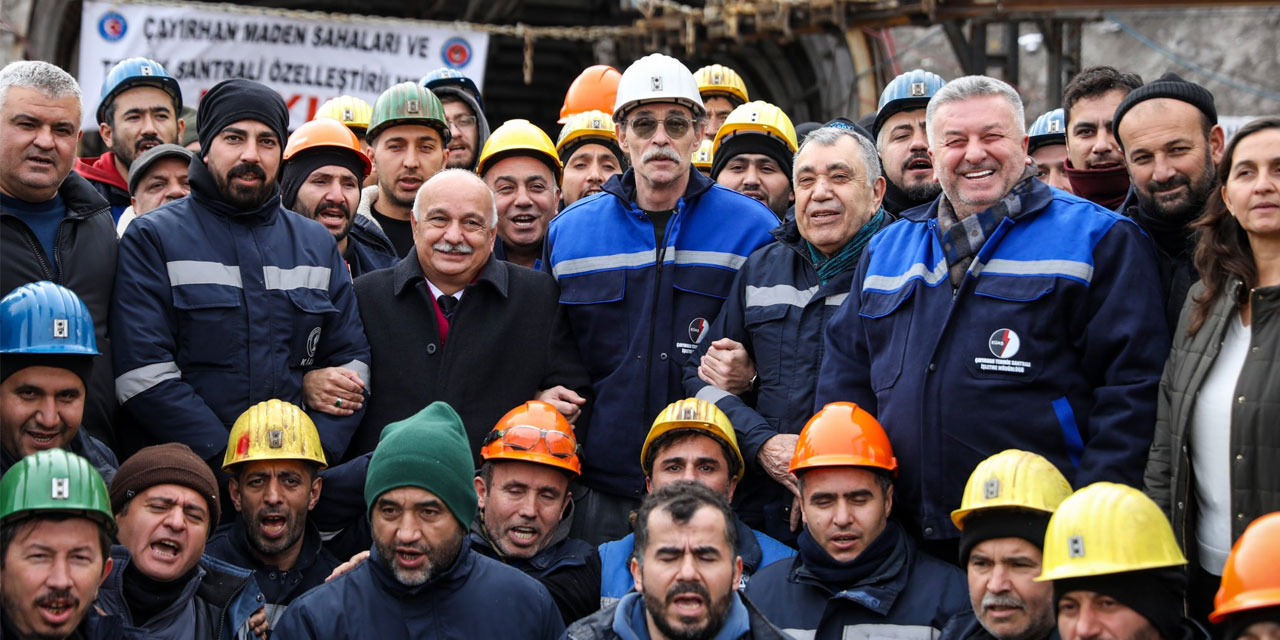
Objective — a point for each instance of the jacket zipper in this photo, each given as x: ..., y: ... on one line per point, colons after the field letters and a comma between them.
x: 34, y: 244
x: 660, y: 252
x: 227, y: 606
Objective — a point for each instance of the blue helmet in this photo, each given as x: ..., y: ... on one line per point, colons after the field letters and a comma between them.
x: 46, y: 318
x: 1050, y: 128
x: 446, y: 77
x: 133, y: 72
x: 911, y: 90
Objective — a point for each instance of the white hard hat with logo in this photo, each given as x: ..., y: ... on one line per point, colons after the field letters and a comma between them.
x: 657, y: 78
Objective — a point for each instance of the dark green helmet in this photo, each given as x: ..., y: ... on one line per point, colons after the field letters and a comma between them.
x: 408, y: 103
x: 55, y: 481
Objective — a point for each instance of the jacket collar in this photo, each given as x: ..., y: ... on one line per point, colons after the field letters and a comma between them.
x: 80, y: 198
x: 623, y: 186
x: 121, y: 557
x: 365, y: 229
x: 877, y: 592
x: 449, y: 580
x: 408, y: 273
x: 557, y: 550
x: 204, y: 190
x: 630, y: 621
x: 239, y: 539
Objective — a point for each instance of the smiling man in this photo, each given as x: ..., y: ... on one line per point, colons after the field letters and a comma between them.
x: 422, y: 577
x: 520, y: 165
x: 858, y: 573
x: 1002, y: 288
x: 165, y: 500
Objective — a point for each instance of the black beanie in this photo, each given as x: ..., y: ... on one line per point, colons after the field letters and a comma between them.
x: 81, y: 365
x: 750, y: 142
x: 1169, y: 85
x: 300, y: 167
x: 573, y: 146
x: 1156, y: 594
x: 238, y: 99
x: 1002, y: 523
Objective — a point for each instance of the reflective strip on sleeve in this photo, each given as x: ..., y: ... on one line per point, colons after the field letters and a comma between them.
x: 186, y: 272
x: 305, y: 277
x: 712, y: 394
x: 836, y: 300
x: 131, y: 383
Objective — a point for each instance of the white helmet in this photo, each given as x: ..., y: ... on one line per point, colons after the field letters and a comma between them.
x: 657, y: 78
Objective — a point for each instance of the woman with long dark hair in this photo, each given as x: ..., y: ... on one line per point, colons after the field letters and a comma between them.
x: 1215, y: 461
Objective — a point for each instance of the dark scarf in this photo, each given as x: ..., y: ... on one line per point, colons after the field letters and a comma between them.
x: 847, y: 256
x: 1107, y: 187
x: 1173, y: 237
x: 841, y: 575
x: 896, y: 200
x: 205, y: 191
x: 146, y: 597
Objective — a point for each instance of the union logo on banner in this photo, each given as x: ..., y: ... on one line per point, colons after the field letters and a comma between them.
x: 112, y: 26
x: 456, y: 53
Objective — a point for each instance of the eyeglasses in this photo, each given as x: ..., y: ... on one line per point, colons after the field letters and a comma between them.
x: 645, y: 126
x: 526, y: 438
x: 461, y: 121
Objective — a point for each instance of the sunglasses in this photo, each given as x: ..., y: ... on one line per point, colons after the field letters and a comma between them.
x: 526, y: 438
x: 675, y: 126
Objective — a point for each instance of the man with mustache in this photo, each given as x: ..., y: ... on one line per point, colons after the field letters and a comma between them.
x: 55, y: 542
x: 685, y: 570
x: 408, y: 136
x: 323, y: 169
x: 157, y: 177
x: 166, y: 502
x: 588, y: 147
x: 1168, y: 131
x: 1095, y: 163
x: 139, y: 109
x: 1006, y: 508
x: 521, y: 166
x: 752, y: 155
x: 53, y: 225
x: 274, y: 458
x: 1005, y: 315
x: 759, y: 361
x: 858, y: 574
x: 464, y: 111
x: 485, y: 334
x: 226, y: 298
x: 643, y: 270
x: 422, y: 578
x: 899, y: 131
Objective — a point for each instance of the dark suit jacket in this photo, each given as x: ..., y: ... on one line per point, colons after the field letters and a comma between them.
x: 508, y: 339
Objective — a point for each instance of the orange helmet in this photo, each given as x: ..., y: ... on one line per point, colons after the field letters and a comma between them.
x: 1251, y: 579
x: 534, y: 432
x: 843, y: 434
x: 596, y: 88
x: 325, y: 132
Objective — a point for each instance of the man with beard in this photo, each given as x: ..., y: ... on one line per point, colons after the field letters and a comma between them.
x: 55, y: 542
x: 423, y: 578
x: 139, y: 110
x: 53, y: 225
x: 323, y: 169
x: 899, y: 130
x: 464, y: 111
x: 46, y: 337
x: 643, y: 269
x: 1006, y: 508
x: 165, y: 500
x: 525, y: 508
x: 588, y: 147
x: 1095, y: 162
x: 859, y: 574
x: 521, y: 166
x: 752, y: 155
x: 225, y: 298
x: 408, y: 135
x: 1168, y: 131
x: 760, y: 358
x: 274, y: 457
x: 1003, y: 288
x: 158, y: 176
x: 686, y: 571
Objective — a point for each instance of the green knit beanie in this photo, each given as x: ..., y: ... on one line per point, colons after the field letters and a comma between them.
x: 428, y: 450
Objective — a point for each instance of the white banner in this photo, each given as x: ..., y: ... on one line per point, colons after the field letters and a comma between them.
x: 307, y: 59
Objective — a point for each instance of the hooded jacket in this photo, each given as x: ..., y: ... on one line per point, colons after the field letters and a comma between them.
x: 476, y: 597
x: 625, y: 620
x: 482, y: 122
x: 106, y: 180
x: 637, y: 311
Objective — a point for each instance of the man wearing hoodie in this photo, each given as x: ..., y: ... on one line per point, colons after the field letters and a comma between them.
x: 464, y: 111
x: 1095, y: 164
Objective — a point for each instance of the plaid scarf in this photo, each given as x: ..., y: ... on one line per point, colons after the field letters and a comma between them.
x: 963, y: 239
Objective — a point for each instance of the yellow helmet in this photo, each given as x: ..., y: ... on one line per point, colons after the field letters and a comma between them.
x: 520, y: 135
x: 702, y: 155
x: 349, y: 110
x: 588, y: 124
x: 273, y: 430
x: 716, y: 78
x: 692, y: 413
x: 1107, y: 528
x: 758, y: 117
x: 1012, y: 479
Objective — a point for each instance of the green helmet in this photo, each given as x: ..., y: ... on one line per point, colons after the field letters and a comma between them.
x: 408, y: 103
x: 55, y: 481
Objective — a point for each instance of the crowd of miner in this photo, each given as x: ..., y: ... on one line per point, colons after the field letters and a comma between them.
x: 448, y: 383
